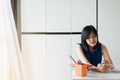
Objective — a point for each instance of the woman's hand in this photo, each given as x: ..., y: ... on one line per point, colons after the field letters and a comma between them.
x: 103, y: 67
x: 99, y: 69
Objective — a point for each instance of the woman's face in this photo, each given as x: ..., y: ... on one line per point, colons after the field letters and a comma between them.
x: 92, y: 40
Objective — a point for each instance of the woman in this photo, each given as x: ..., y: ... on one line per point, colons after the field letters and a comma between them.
x: 91, y: 51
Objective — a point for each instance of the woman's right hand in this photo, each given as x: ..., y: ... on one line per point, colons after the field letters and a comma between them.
x: 104, y: 67
x: 101, y: 68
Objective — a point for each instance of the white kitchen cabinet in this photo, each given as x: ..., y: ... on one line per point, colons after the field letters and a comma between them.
x: 58, y: 15
x: 34, y: 56
x: 58, y: 50
x: 83, y: 13
x: 33, y: 16
x: 75, y: 40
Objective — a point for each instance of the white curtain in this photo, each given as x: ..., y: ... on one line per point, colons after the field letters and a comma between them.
x: 11, y: 66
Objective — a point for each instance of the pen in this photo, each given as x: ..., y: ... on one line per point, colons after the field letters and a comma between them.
x: 80, y: 62
x: 72, y: 59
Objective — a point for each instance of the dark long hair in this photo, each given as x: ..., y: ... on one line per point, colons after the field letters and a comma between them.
x: 85, y: 34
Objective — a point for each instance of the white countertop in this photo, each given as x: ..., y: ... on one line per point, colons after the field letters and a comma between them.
x: 91, y: 75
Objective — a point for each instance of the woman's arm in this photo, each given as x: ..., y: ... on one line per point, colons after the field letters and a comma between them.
x: 107, y: 57
x: 81, y: 55
x: 107, y: 64
x: 102, y: 69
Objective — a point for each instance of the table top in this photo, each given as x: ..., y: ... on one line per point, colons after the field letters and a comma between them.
x: 91, y: 75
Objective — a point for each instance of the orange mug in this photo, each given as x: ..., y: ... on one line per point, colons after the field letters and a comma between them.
x: 81, y: 70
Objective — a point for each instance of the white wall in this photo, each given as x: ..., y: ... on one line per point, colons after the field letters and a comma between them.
x: 109, y: 27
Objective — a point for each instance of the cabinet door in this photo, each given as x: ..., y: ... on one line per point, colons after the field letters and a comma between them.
x: 33, y: 15
x: 76, y: 39
x: 109, y: 27
x: 58, y: 50
x: 83, y: 13
x: 34, y: 56
x: 58, y: 15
